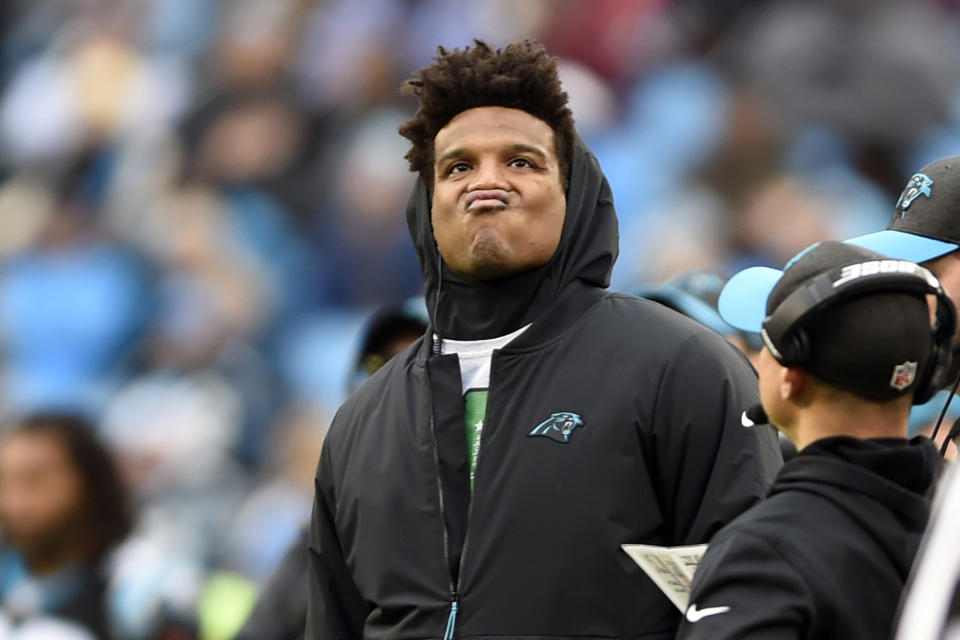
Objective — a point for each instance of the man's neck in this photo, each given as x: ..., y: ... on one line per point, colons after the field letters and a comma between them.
x: 858, y: 420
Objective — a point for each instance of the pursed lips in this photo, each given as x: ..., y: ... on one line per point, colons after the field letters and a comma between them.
x: 486, y: 199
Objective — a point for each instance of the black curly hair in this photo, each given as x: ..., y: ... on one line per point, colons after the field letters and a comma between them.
x: 521, y: 76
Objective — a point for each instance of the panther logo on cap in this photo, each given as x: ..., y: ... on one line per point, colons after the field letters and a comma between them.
x: 919, y: 184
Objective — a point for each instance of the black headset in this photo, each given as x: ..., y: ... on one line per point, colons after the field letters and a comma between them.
x: 785, y: 336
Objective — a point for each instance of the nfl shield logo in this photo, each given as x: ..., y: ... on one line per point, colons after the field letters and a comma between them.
x: 903, y: 375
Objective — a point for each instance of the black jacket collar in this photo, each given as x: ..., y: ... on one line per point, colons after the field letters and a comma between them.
x: 897, y: 472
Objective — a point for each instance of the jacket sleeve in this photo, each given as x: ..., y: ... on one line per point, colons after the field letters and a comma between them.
x: 335, y: 609
x: 710, y: 467
x: 744, y: 588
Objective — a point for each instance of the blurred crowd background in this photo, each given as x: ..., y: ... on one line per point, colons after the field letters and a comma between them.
x: 201, y: 204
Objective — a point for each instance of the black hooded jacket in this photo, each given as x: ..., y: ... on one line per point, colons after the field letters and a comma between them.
x: 400, y: 549
x: 827, y: 554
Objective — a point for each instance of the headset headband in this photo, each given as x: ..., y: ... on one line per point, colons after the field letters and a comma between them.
x: 891, y: 276
x: 855, y: 280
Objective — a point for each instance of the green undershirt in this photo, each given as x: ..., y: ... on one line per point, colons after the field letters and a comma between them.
x: 474, y: 411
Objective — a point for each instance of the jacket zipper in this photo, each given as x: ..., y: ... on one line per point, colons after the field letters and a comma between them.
x: 452, y: 618
x: 455, y: 590
x: 451, y: 622
x: 450, y: 632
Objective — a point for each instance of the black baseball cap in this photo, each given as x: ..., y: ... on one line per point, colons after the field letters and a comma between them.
x: 926, y: 219
x: 388, y: 323
x: 873, y: 344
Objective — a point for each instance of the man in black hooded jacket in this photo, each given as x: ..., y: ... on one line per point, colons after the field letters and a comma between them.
x: 849, y: 346
x: 480, y: 484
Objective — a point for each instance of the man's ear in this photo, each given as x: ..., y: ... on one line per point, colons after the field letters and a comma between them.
x: 793, y: 381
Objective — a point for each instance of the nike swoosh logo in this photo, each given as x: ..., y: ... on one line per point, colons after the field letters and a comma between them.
x: 745, y: 421
x: 696, y: 615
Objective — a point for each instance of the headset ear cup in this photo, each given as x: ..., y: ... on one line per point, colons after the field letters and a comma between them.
x: 934, y: 376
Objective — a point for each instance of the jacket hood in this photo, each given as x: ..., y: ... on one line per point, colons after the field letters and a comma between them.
x: 473, y: 310
x: 885, y: 486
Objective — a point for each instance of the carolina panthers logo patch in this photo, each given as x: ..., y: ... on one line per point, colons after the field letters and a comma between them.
x: 918, y: 185
x: 558, y: 426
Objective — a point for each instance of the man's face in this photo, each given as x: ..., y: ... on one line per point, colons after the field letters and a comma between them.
x: 498, y: 205
x: 41, y: 493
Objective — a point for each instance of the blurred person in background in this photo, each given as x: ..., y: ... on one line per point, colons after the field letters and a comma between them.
x: 695, y: 294
x: 63, y: 510
x: 823, y: 71
x: 71, y: 354
x: 489, y: 429
x: 213, y: 303
x: 173, y: 437
x: 848, y: 348
x: 361, y: 236
x: 281, y: 609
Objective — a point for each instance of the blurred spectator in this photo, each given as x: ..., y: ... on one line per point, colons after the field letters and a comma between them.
x: 63, y: 508
x: 70, y: 353
x: 267, y: 520
x: 695, y: 294
x: 367, y: 256
x: 834, y: 64
x: 213, y: 301
x: 387, y: 332
x: 824, y: 61
x: 173, y: 436
x: 609, y: 36
x: 243, y: 147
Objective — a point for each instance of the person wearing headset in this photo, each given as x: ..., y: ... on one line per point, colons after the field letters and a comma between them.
x: 926, y: 229
x: 848, y: 348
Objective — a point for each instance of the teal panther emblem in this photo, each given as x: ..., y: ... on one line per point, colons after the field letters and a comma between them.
x: 559, y: 426
x: 918, y: 185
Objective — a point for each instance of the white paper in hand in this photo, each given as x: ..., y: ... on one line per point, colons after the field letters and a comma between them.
x: 670, y: 568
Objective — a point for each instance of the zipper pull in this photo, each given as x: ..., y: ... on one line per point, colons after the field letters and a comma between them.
x: 451, y: 621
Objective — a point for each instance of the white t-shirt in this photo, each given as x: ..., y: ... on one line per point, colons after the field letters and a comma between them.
x: 475, y: 357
